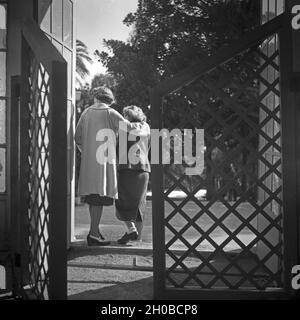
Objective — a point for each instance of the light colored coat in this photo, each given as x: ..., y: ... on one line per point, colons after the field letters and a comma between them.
x: 96, y: 178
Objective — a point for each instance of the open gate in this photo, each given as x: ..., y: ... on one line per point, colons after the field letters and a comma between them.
x: 239, y: 239
x: 41, y: 208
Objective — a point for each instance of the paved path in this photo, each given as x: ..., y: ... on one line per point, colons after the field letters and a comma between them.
x: 113, y: 229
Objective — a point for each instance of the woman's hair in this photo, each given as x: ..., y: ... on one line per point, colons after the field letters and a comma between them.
x: 134, y: 114
x: 103, y: 94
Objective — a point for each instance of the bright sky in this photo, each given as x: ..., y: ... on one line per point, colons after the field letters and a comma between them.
x: 101, y: 19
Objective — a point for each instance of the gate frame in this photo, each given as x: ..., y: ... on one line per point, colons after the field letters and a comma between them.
x: 290, y: 153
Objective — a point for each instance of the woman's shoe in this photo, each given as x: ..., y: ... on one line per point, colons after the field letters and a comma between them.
x: 93, y: 241
x: 128, y: 237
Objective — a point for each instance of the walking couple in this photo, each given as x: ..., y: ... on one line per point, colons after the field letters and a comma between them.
x: 103, y: 183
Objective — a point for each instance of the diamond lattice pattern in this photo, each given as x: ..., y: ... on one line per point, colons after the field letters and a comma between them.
x: 38, y: 185
x: 225, y: 228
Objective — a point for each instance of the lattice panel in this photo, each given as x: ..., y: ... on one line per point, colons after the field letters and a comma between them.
x: 38, y: 186
x: 224, y: 230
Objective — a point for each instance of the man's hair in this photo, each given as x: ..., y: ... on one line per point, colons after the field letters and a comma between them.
x: 134, y: 114
x: 103, y: 94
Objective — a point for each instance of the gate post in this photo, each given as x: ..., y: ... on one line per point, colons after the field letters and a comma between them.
x: 295, y: 91
x: 15, y: 192
x: 59, y: 190
x: 295, y: 36
x: 290, y: 102
x: 158, y: 222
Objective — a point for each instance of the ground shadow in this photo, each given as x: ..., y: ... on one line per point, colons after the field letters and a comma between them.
x: 135, y: 290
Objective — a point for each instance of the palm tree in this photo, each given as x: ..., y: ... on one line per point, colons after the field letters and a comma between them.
x: 82, y: 57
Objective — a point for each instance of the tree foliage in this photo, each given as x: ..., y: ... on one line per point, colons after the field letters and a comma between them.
x: 104, y: 79
x: 170, y: 35
x: 82, y: 58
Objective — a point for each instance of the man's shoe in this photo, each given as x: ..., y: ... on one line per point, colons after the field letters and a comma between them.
x: 128, y: 237
x: 96, y: 241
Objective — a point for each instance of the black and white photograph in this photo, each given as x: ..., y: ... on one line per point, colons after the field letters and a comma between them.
x: 149, y: 152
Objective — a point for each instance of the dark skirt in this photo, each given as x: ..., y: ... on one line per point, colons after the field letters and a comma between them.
x: 97, y: 200
x: 132, y: 191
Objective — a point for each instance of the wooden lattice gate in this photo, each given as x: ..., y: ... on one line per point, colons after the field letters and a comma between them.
x: 41, y: 207
x: 238, y: 239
